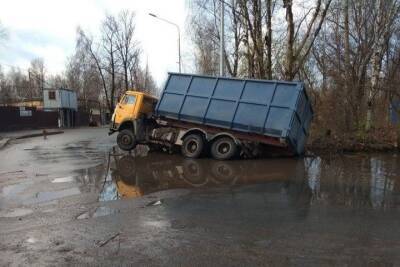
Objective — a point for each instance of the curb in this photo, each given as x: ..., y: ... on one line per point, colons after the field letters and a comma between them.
x: 4, y: 142
x: 38, y: 134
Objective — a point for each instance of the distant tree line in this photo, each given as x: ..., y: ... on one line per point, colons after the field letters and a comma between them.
x: 347, y: 53
x: 100, y: 69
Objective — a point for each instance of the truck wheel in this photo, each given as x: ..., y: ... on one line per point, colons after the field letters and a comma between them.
x: 192, y: 146
x: 223, y: 148
x: 126, y: 140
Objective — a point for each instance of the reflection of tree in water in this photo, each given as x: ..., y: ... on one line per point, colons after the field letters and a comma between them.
x: 91, y: 179
x: 313, y: 172
x: 354, y: 180
x: 383, y: 182
x: 109, y: 191
x: 298, y: 189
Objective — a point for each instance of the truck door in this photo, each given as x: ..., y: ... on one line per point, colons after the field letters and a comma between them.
x: 126, y: 108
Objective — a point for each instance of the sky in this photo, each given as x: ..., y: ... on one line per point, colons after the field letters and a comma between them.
x: 47, y: 29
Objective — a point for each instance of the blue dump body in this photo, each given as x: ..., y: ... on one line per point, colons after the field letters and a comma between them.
x: 271, y: 108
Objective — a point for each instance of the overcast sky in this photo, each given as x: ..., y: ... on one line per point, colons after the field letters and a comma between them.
x: 47, y: 29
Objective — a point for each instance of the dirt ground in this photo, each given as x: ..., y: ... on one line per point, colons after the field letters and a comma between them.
x: 74, y: 199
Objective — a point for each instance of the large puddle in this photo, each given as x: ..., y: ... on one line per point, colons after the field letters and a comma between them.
x: 358, y: 180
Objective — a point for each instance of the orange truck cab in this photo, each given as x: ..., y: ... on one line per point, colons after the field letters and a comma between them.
x: 129, y: 115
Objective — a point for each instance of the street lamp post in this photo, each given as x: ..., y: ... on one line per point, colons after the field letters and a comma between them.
x: 179, y: 37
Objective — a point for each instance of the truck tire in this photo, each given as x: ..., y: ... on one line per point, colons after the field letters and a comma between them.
x: 126, y: 140
x: 224, y: 148
x: 192, y: 146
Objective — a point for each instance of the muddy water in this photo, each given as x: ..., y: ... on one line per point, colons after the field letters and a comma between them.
x: 369, y: 181
x: 360, y: 180
x: 322, y: 211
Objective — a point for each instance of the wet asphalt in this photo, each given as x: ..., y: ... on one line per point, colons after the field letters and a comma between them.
x: 75, y: 199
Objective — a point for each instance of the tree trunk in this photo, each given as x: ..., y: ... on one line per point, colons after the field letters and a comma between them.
x: 289, y: 61
x: 268, y: 39
x: 347, y: 73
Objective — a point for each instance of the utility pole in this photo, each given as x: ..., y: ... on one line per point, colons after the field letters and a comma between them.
x: 222, y: 41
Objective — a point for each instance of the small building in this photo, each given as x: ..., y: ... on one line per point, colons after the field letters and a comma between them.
x: 64, y: 101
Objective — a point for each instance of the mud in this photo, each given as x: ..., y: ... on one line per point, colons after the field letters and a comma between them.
x: 152, y: 208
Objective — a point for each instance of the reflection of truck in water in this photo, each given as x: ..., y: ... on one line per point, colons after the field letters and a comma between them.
x: 220, y: 116
x: 137, y: 176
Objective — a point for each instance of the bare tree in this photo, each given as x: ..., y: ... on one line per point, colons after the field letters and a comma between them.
x: 7, y: 94
x: 206, y: 50
x: 36, y: 74
x: 144, y: 81
x: 252, y: 30
x: 127, y: 46
x: 110, y: 55
x: 254, y: 40
x: 299, y: 46
x: 86, y: 44
x: 114, y: 56
x: 232, y: 51
x: 358, y: 58
x: 206, y: 36
x: 82, y: 76
x: 386, y: 11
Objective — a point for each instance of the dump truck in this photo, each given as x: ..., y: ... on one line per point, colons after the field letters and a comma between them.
x: 218, y: 116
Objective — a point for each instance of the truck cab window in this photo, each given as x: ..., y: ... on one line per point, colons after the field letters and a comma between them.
x: 129, y: 99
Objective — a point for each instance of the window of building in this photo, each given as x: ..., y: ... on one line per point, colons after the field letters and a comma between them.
x: 52, y: 95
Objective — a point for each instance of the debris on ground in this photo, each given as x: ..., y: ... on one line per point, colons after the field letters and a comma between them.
x: 154, y: 203
x: 101, y: 244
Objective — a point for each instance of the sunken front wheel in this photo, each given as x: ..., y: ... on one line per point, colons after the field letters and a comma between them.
x: 224, y: 148
x: 126, y: 140
x: 192, y: 146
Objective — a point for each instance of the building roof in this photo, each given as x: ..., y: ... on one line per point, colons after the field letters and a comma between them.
x: 55, y: 89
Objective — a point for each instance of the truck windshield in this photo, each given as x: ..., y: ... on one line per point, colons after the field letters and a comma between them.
x: 129, y: 100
